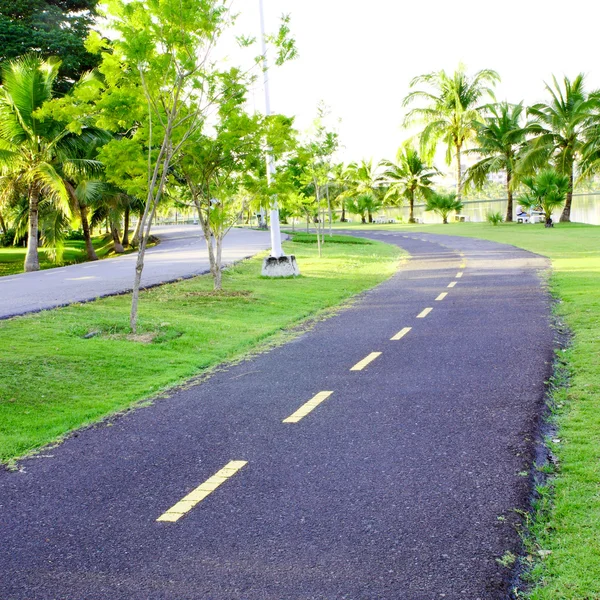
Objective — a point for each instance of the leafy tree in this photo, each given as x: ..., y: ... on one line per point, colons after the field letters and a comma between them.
x: 40, y: 153
x: 500, y: 138
x: 443, y: 204
x: 560, y: 127
x: 410, y: 176
x: 452, y: 103
x: 547, y: 190
x: 52, y: 28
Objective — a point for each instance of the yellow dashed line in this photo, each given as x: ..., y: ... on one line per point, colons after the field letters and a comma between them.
x: 452, y: 284
x: 424, y: 313
x: 462, y: 266
x: 359, y: 366
x: 459, y: 275
x: 401, y: 334
x: 442, y: 296
x: 308, y: 407
x: 195, y: 496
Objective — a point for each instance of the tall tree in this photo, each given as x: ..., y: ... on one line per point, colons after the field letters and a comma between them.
x: 41, y: 153
x: 560, y: 127
x: 451, y: 105
x: 52, y: 28
x: 364, y: 180
x: 500, y: 138
x: 410, y: 176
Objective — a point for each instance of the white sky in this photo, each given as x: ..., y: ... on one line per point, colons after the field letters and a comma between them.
x: 360, y: 56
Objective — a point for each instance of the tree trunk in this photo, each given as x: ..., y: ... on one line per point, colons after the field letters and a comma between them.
x: 445, y: 219
x: 114, y: 231
x: 135, y: 240
x: 411, y: 202
x: 307, y: 222
x: 370, y: 216
x: 363, y: 219
x: 318, y: 219
x: 565, y: 217
x: 509, y: 207
x: 343, y: 219
x: 458, y: 174
x: 218, y: 270
x: 85, y: 225
x: 125, y: 240
x: 3, y: 224
x: 330, y: 212
x: 32, y: 261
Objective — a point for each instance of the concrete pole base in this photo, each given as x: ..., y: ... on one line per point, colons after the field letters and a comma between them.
x: 284, y: 266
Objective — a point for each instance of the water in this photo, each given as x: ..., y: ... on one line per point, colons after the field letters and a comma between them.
x: 585, y: 209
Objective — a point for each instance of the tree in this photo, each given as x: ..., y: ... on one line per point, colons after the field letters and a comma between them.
x: 40, y: 152
x: 443, y: 204
x: 452, y: 105
x: 547, y: 190
x: 500, y: 138
x: 364, y: 205
x: 52, y: 28
x: 363, y: 180
x: 408, y: 177
x: 560, y: 128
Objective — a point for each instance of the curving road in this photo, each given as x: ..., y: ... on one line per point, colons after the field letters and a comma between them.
x: 181, y: 253
x: 383, y: 455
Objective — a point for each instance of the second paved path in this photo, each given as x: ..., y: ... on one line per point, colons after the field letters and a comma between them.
x: 401, y: 485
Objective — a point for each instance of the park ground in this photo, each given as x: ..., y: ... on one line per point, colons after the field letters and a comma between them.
x: 186, y: 330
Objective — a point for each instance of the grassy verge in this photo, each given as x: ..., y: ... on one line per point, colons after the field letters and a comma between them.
x: 13, y: 257
x: 566, y: 550
x: 55, y: 380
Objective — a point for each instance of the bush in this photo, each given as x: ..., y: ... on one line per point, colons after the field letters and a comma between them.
x: 7, y: 238
x: 494, y: 218
x: 75, y: 234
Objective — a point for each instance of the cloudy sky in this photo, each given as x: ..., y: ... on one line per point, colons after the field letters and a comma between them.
x: 359, y: 57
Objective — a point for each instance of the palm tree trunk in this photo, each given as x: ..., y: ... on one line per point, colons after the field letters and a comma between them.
x: 85, y: 225
x: 114, y: 231
x: 370, y: 215
x: 458, y: 173
x: 125, y: 240
x: 135, y: 240
x: 3, y: 224
x: 565, y: 217
x: 411, y: 202
x: 509, y: 206
x: 343, y: 219
x: 32, y: 261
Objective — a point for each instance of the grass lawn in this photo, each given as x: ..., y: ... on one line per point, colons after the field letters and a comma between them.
x: 12, y: 258
x: 569, y: 525
x: 54, y: 381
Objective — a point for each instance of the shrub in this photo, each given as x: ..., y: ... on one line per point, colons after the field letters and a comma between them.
x: 494, y: 218
x: 7, y: 238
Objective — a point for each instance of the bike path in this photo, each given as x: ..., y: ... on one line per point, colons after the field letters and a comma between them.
x: 403, y: 483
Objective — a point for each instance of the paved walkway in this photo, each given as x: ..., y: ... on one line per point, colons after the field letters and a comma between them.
x: 181, y: 253
x: 399, y: 485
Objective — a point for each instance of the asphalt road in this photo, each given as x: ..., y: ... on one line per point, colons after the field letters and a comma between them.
x: 181, y: 253
x: 400, y: 485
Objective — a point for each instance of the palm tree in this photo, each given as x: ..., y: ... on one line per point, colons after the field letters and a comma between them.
x: 38, y: 153
x: 443, y: 204
x: 560, y: 128
x: 408, y: 177
x: 364, y: 205
x: 452, y: 104
x: 500, y: 138
x: 548, y: 190
x: 363, y: 180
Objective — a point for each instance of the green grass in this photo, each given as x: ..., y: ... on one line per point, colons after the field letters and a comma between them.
x: 55, y: 381
x: 311, y: 238
x: 12, y: 258
x: 568, y: 524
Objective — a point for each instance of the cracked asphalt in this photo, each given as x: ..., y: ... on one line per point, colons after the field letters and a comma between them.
x: 402, y: 484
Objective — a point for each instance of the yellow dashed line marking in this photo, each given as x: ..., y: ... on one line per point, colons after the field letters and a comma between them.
x: 459, y: 275
x: 401, y: 334
x: 452, y: 284
x: 195, y: 496
x: 359, y: 366
x: 462, y: 266
x: 442, y: 296
x: 424, y: 313
x: 308, y: 407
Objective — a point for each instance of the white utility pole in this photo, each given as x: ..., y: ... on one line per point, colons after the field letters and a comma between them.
x: 276, y: 249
